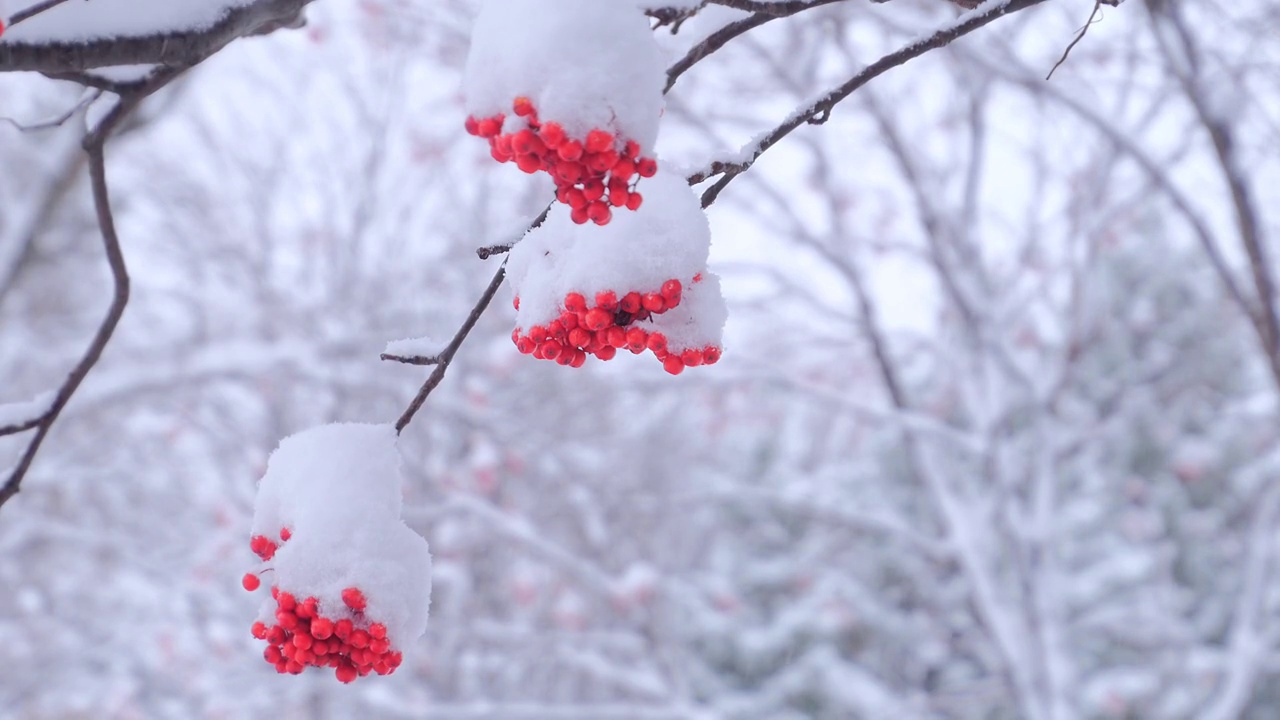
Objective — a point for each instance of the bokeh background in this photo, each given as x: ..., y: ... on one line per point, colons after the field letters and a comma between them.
x: 992, y: 439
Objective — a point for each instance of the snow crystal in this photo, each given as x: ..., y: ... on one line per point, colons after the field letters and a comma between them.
x: 667, y: 238
x: 337, y: 488
x: 20, y: 412
x: 585, y: 64
x: 87, y: 21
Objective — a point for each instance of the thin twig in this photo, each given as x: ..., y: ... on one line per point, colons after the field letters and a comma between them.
x: 34, y: 10
x: 446, y: 357
x: 412, y: 359
x: 1094, y: 16
x: 94, y: 145
x: 818, y: 112
x: 86, y: 99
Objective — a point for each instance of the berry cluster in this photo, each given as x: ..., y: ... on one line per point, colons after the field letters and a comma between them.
x: 592, y: 175
x: 609, y: 326
x: 303, y: 636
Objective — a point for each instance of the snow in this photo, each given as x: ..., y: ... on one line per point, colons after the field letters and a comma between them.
x: 698, y: 321
x: 667, y: 238
x: 337, y: 488
x: 17, y: 413
x: 414, y: 347
x: 86, y: 21
x: 585, y: 64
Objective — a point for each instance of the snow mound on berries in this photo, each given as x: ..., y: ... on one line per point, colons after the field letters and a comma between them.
x: 667, y: 238
x: 335, y: 477
x: 384, y: 559
x: 100, y: 19
x: 337, y: 490
x: 585, y: 64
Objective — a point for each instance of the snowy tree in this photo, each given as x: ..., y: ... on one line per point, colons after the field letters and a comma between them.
x: 993, y: 435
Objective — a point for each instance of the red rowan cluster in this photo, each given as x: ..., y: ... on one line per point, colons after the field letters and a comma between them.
x: 593, y: 175
x: 609, y: 326
x: 302, y: 635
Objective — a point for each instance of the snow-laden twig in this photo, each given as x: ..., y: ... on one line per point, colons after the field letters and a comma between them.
x: 818, y: 111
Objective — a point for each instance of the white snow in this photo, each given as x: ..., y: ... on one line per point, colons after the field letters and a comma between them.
x: 19, y: 412
x: 699, y: 320
x: 79, y: 21
x: 585, y: 64
x: 667, y: 238
x: 337, y: 488
x: 414, y: 347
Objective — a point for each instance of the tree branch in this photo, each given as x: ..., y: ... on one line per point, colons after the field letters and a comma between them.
x: 94, y: 145
x: 819, y: 111
x: 446, y: 356
x: 176, y: 49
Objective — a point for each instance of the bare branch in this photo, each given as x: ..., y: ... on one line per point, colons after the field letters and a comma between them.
x: 85, y: 101
x: 446, y: 357
x: 412, y: 359
x: 94, y: 145
x: 1093, y: 17
x: 819, y: 111
x: 34, y: 10
x: 177, y: 49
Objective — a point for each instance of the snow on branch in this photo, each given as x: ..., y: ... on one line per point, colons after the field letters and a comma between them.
x: 817, y: 112
x: 71, y: 38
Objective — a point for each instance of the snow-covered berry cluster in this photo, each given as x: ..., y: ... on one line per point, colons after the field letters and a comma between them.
x: 609, y: 325
x: 350, y: 582
x: 572, y: 88
x: 639, y: 284
x: 593, y: 174
x: 302, y: 635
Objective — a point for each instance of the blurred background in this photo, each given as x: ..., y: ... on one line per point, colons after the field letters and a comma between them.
x: 994, y: 437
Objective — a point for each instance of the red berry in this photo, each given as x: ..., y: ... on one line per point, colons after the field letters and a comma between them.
x: 657, y: 343
x: 526, y: 346
x: 671, y: 290
x: 302, y: 641
x: 647, y: 167
x: 637, y: 340
x: 259, y: 630
x: 552, y: 135
x: 307, y: 609
x: 599, y: 213
x: 631, y: 303
x: 623, y: 170
x: 550, y: 350
x: 579, y: 216
x: 597, y: 319
x: 673, y: 365
x: 593, y: 190
x: 321, y: 628
x: 575, y: 302
x: 599, y: 141
x: 615, y: 337
x: 523, y: 107
x: 607, y: 300
x: 571, y: 150
x: 528, y: 164
x: 710, y: 355
x: 378, y: 630
x: 359, y: 639
x: 354, y: 599
x: 691, y: 357
x: 579, y: 337
x: 634, y: 201
x: 345, y: 673
x: 654, y: 303
x: 576, y: 199
x: 272, y: 654
x: 607, y: 353
x: 285, y: 534
x: 472, y: 126
x: 342, y: 629
x: 250, y: 582
x: 619, y: 198
x: 286, y: 619
x: 578, y: 359
x: 632, y: 150
x: 286, y: 602
x: 490, y: 127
